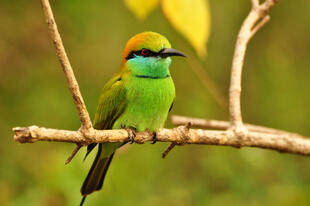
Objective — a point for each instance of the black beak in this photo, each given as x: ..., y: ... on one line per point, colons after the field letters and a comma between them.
x: 167, y: 52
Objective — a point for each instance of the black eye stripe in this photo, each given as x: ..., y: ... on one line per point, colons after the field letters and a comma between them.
x: 139, y: 53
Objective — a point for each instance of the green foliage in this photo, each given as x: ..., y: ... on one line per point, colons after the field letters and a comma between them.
x: 33, y: 90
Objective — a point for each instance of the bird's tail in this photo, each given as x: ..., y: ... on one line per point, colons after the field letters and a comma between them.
x: 96, y: 174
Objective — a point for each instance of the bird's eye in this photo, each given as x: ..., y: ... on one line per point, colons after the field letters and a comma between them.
x: 145, y: 52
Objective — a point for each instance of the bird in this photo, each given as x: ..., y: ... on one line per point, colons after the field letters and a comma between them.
x: 138, y: 97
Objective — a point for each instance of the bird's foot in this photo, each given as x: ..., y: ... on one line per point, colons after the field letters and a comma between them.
x: 154, y: 138
x: 131, y: 134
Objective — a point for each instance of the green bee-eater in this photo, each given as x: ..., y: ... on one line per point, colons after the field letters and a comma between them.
x: 139, y: 96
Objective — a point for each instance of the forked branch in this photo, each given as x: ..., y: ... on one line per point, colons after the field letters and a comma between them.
x: 257, y: 17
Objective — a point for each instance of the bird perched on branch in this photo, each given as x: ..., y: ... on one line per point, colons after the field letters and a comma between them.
x: 138, y: 97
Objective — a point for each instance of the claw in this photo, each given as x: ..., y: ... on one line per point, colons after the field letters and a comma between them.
x: 154, y: 138
x: 131, y: 134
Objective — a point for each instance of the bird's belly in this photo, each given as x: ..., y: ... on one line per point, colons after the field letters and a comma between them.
x: 148, y: 104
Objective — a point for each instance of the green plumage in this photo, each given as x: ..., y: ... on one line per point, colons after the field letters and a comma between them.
x: 138, y: 96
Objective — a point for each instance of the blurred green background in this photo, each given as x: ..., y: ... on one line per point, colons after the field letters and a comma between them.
x: 33, y: 91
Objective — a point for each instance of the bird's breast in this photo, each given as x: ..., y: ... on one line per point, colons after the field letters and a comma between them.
x: 148, y: 103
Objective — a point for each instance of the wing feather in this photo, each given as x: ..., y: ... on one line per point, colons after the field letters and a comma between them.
x: 112, y: 103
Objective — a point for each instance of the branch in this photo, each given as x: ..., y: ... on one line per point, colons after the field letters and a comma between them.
x: 66, y: 66
x: 67, y: 69
x: 257, y: 17
x: 179, y: 135
x: 224, y: 125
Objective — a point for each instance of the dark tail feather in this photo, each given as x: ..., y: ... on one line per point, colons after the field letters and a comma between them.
x: 96, y: 174
x: 90, y: 147
x: 82, y: 202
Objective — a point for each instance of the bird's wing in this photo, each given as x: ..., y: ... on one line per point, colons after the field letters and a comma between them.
x: 111, y: 105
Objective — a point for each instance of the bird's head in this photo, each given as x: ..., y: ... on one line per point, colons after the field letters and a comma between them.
x: 148, y: 54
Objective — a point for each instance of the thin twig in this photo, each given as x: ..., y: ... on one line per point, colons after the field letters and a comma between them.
x: 259, y: 25
x: 171, y: 146
x: 76, y: 149
x: 203, y: 76
x: 185, y: 136
x: 66, y: 66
